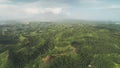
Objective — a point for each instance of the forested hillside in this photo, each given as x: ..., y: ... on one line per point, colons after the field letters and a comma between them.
x: 59, y: 45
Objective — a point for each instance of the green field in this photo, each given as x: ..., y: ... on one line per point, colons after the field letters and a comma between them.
x: 60, y: 45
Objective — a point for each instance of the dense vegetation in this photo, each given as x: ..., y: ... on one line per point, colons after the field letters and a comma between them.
x: 60, y: 45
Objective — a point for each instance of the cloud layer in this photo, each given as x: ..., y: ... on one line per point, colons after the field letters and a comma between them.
x: 59, y: 9
x: 27, y: 10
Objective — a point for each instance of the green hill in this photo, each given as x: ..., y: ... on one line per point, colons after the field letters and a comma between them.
x: 60, y: 45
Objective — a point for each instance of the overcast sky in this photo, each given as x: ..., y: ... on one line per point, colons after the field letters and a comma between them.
x: 60, y: 9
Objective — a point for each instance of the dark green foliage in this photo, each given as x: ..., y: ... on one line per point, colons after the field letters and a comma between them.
x: 102, y: 61
x: 5, y: 39
x: 60, y: 45
x: 64, y: 62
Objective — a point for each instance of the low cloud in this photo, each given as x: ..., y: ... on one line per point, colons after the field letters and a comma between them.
x: 42, y: 10
x: 115, y: 6
x: 108, y: 7
x: 57, y: 9
x: 28, y: 10
x: 53, y: 10
x: 31, y: 10
x: 90, y: 1
x: 4, y: 1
